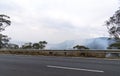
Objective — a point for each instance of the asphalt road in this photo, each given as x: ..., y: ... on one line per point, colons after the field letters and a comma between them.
x: 19, y: 65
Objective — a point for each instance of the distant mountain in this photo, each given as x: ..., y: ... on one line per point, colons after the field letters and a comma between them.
x: 66, y: 45
x: 95, y: 43
x: 99, y: 43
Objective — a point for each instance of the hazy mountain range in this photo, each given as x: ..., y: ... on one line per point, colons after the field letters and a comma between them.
x: 94, y: 43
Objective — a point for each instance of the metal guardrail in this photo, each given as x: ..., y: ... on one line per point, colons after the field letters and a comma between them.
x: 87, y: 53
x: 94, y: 50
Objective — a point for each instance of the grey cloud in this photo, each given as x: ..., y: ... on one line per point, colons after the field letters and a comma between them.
x: 25, y: 13
x: 8, y: 6
x: 58, y: 24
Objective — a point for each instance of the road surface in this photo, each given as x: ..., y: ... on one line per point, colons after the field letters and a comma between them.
x: 20, y: 65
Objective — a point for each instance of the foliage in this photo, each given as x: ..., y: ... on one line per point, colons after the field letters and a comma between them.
x: 39, y: 45
x: 42, y: 44
x: 27, y: 46
x: 114, y: 46
x: 13, y: 46
x: 4, y: 41
x: 36, y: 45
x: 4, y: 22
x: 113, y: 25
x: 78, y: 47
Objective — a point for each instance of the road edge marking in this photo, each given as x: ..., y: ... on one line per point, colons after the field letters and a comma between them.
x: 69, y: 68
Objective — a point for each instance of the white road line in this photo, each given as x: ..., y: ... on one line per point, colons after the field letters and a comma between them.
x: 60, y: 67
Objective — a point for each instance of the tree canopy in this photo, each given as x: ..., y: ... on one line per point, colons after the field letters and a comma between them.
x: 42, y: 44
x: 113, y: 25
x: 39, y: 45
x: 4, y: 22
x: 78, y: 47
x: 114, y: 46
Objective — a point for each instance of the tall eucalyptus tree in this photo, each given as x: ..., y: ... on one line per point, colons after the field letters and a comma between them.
x: 4, y: 22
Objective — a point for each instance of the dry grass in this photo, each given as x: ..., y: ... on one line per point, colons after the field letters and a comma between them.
x: 55, y: 53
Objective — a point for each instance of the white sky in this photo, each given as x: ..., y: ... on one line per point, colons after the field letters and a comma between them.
x: 57, y: 20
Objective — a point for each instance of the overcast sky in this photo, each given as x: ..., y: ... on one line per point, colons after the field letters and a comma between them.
x: 57, y: 20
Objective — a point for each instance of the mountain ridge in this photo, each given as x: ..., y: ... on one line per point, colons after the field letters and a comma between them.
x: 93, y: 43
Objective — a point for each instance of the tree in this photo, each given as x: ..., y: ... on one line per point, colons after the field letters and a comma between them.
x: 113, y: 25
x: 13, y: 46
x: 4, y: 41
x: 4, y: 22
x: 36, y: 45
x: 42, y: 44
x: 114, y: 46
x: 39, y: 45
x: 27, y: 46
x: 78, y: 47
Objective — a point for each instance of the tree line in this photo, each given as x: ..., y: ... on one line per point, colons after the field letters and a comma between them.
x: 39, y: 45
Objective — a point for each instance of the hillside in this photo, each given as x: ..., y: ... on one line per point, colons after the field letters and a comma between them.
x: 95, y: 43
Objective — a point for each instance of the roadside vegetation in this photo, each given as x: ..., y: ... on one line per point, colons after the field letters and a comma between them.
x: 113, y: 26
x: 115, y: 45
x: 67, y: 53
x: 40, y: 45
x: 80, y: 47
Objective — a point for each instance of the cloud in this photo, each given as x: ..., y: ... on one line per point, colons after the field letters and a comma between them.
x: 57, y: 20
x: 57, y: 24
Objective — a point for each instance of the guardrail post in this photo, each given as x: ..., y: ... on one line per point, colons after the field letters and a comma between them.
x: 50, y: 53
x: 65, y: 53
